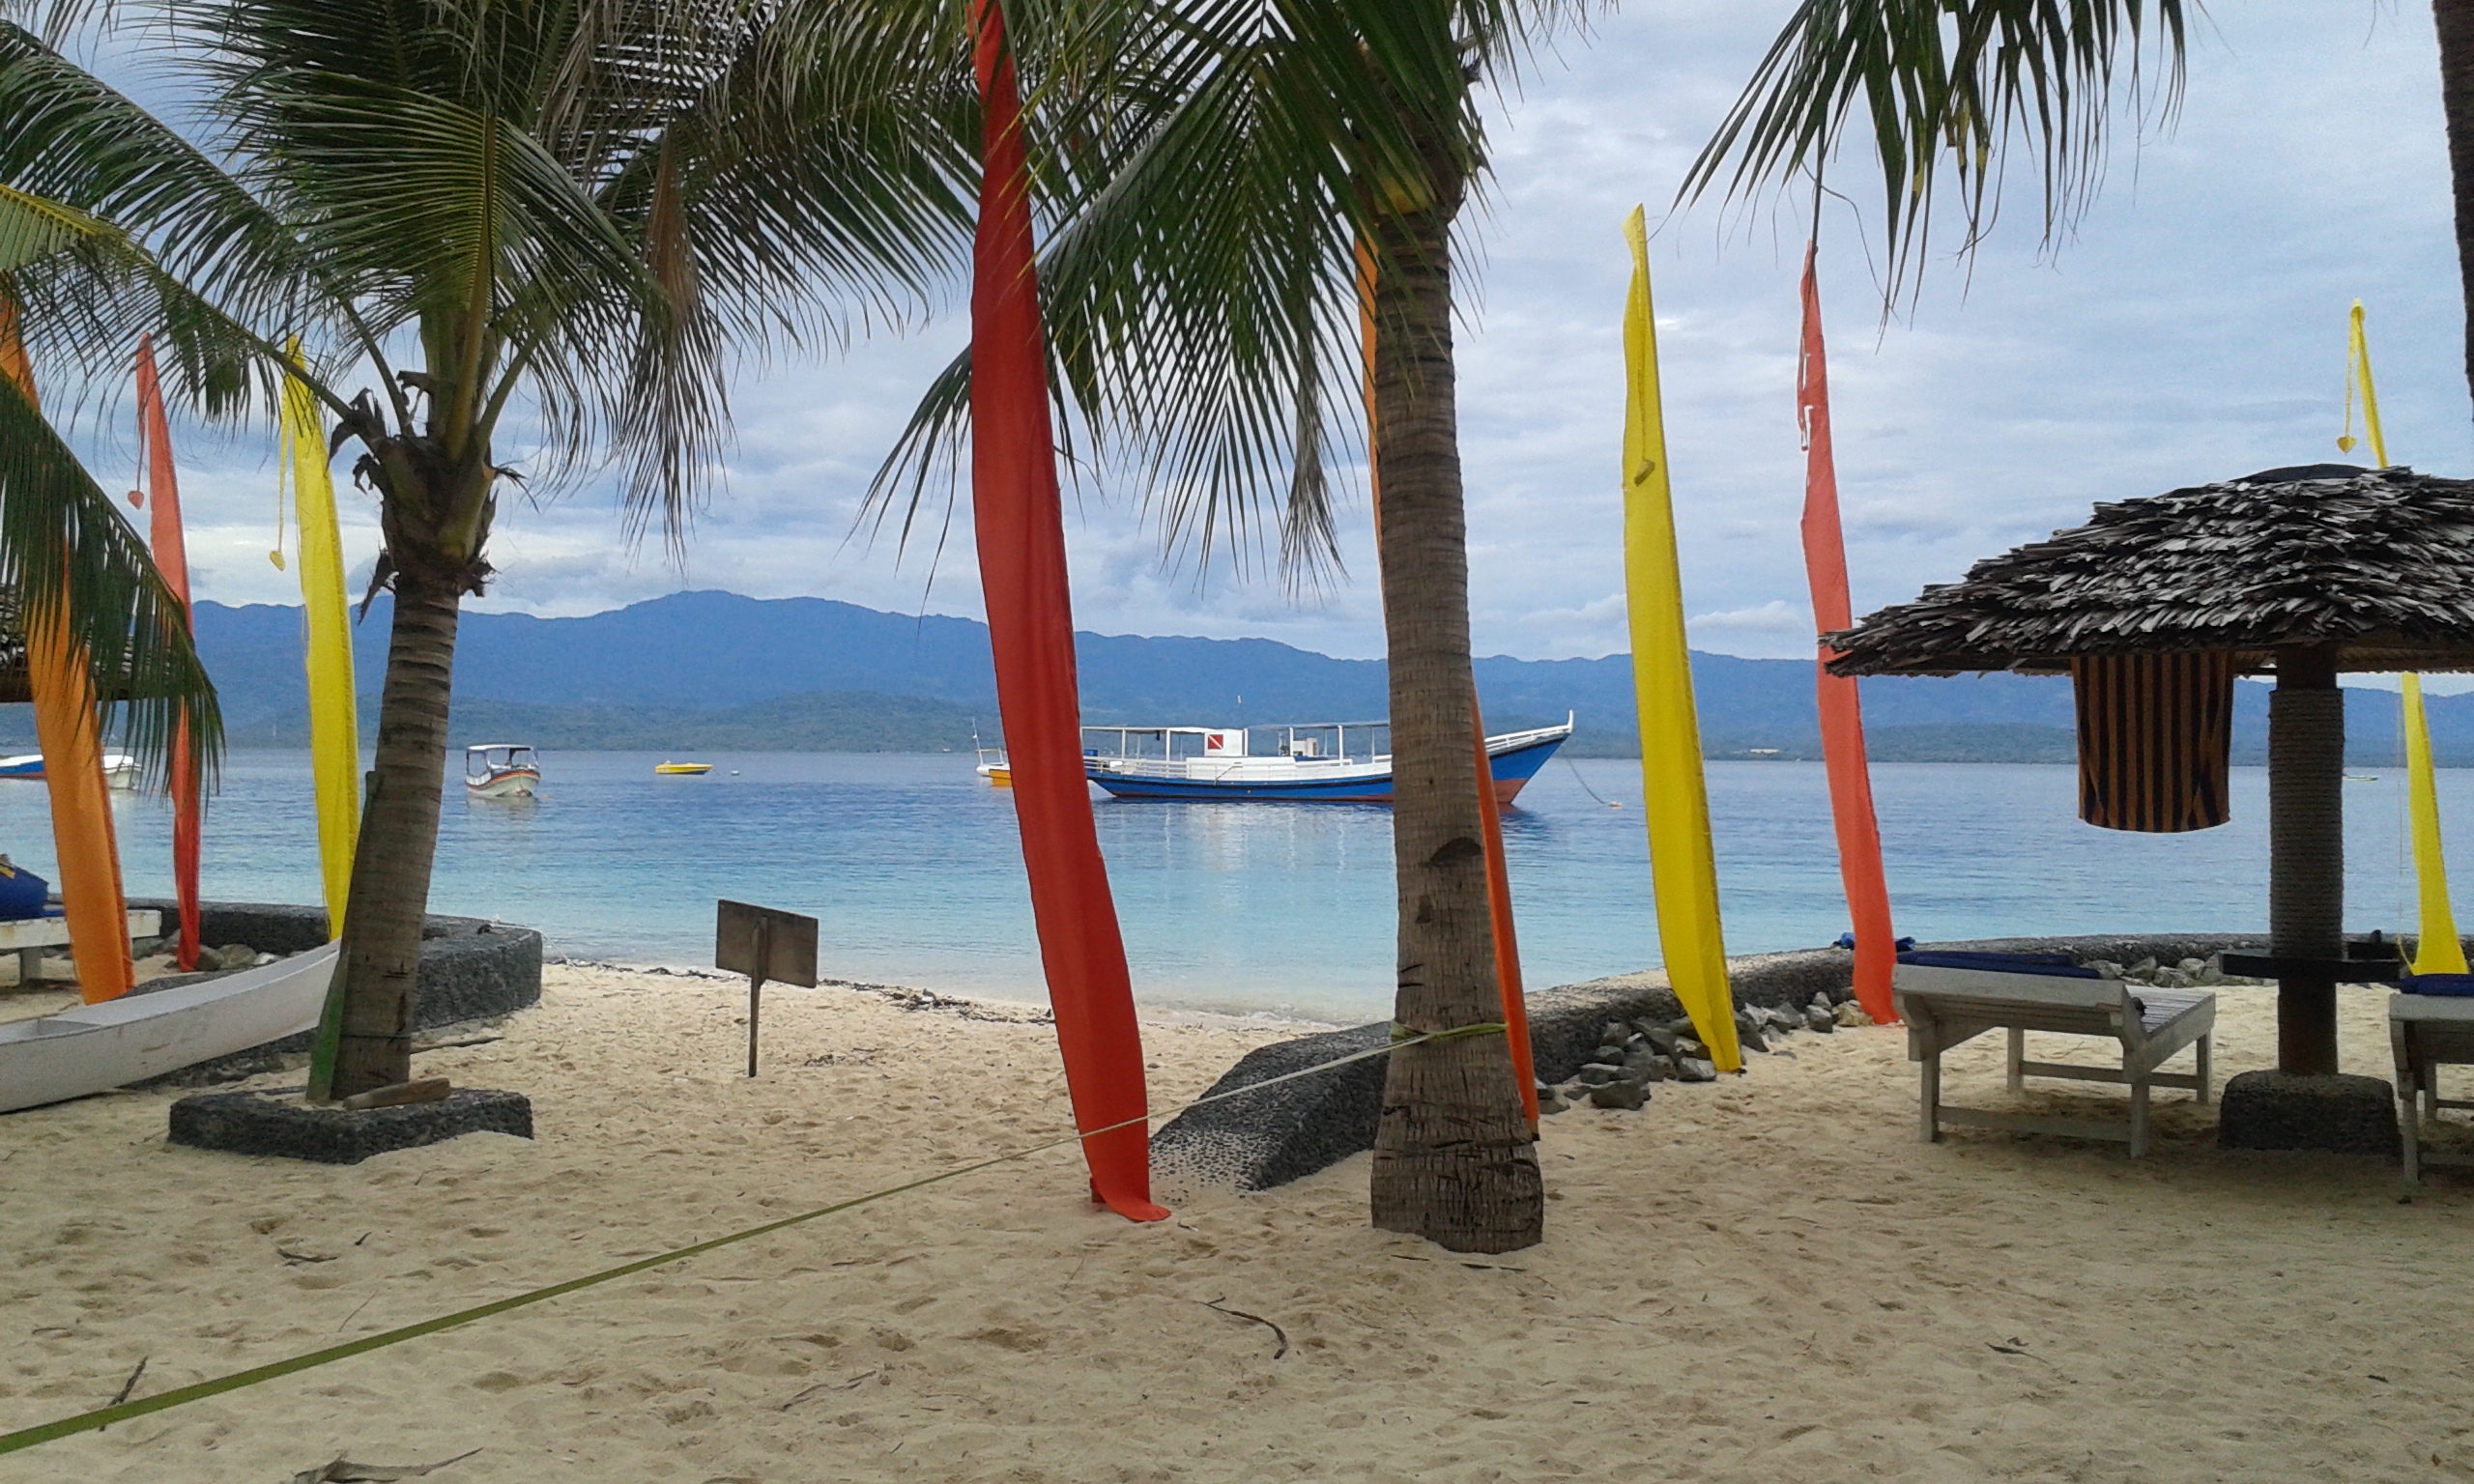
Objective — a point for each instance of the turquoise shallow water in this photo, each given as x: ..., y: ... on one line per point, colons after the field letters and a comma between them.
x: 912, y: 865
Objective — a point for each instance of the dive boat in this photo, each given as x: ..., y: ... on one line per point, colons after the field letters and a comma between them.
x: 682, y: 769
x: 1307, y: 762
x: 120, y: 770
x: 501, y: 770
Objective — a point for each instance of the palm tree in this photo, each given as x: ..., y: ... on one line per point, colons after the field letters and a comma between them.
x: 1213, y: 167
x: 556, y: 224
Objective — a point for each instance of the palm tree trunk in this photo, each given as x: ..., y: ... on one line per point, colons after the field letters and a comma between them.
x: 1454, y: 1160
x: 2456, y: 23
x: 390, y: 867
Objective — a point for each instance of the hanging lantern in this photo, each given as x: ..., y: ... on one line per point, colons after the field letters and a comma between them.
x: 2155, y: 740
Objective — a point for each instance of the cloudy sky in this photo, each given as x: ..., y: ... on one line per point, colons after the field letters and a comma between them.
x: 2193, y: 327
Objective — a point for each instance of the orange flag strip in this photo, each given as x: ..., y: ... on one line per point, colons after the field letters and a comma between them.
x: 1019, y: 517
x: 69, y: 733
x: 1842, y: 713
x: 1508, y: 984
x: 171, y: 559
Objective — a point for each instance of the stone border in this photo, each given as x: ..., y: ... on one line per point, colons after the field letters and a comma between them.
x: 1299, y: 1128
x: 471, y: 969
x: 279, y: 1124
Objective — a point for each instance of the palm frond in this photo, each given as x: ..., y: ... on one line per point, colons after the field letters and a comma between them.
x: 72, y: 561
x: 1949, y: 86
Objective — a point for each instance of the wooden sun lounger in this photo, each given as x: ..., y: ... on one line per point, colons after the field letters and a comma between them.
x: 27, y: 937
x: 1946, y: 1007
x: 2428, y: 1031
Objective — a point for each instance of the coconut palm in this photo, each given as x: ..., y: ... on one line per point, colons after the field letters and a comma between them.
x: 552, y: 224
x: 1213, y: 168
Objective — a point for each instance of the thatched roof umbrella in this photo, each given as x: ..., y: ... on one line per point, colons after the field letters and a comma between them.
x: 16, y: 688
x: 2155, y: 605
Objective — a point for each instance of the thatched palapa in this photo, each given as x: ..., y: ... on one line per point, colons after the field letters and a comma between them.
x: 2370, y: 561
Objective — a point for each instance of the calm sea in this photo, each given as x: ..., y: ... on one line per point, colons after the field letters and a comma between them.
x: 912, y: 865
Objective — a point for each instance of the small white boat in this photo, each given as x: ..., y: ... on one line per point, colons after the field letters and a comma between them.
x: 120, y: 770
x: 95, y: 1047
x: 501, y: 770
x: 992, y: 762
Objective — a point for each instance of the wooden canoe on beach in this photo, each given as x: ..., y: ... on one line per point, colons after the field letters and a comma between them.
x: 94, y: 1047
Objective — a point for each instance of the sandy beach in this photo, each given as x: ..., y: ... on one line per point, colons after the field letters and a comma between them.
x: 1763, y: 1279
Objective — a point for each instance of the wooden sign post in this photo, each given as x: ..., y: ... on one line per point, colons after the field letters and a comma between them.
x: 763, y: 943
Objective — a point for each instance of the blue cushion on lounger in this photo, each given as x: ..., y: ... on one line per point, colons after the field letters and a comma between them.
x: 2058, y: 965
x: 2437, y: 983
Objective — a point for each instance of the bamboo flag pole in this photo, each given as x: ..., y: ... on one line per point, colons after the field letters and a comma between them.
x: 2437, y: 949
x: 1675, y: 794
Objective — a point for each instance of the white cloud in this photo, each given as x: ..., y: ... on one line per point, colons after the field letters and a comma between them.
x: 2190, y: 329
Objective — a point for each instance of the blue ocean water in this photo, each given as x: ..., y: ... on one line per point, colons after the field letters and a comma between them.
x: 913, y: 867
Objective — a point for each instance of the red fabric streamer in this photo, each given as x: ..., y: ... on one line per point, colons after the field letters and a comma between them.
x: 1020, y: 525
x: 1507, y: 986
x: 171, y: 559
x: 1842, y: 712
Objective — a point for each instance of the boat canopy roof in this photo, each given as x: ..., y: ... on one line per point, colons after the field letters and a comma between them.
x: 496, y: 747
x: 1248, y: 726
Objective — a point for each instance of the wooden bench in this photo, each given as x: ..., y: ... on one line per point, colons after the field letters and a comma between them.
x: 2428, y: 1031
x: 1946, y: 1006
x: 28, y: 936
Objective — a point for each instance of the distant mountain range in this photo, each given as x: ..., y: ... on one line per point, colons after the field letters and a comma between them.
x: 717, y: 671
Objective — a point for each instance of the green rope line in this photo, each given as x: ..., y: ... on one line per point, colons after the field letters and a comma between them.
x: 105, y: 1416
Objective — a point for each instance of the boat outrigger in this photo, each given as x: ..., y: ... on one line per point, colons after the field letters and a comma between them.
x: 501, y: 770
x: 1307, y: 762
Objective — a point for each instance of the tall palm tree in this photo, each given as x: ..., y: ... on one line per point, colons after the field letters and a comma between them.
x: 555, y: 224
x: 1212, y: 168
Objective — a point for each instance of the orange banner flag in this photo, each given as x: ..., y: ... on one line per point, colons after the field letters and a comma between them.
x: 71, y: 735
x: 171, y: 559
x: 1020, y: 520
x: 1842, y: 712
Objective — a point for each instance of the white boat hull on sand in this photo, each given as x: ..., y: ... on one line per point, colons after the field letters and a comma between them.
x: 95, y: 1047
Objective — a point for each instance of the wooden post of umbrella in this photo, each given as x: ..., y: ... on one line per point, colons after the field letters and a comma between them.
x: 2307, y: 854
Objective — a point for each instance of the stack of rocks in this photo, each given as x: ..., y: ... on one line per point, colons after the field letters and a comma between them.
x: 1632, y: 1055
x: 2189, y: 974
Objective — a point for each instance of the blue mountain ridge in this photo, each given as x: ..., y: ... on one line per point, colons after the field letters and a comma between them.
x: 712, y: 651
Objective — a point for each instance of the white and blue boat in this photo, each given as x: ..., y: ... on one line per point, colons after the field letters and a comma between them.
x: 1310, y: 764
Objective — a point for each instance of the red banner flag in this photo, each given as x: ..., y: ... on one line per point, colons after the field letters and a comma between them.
x: 171, y: 559
x: 1842, y: 713
x: 1020, y: 525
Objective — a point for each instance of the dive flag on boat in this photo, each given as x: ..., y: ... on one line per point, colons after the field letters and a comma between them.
x: 171, y: 559
x: 70, y: 730
x: 1842, y: 711
x: 1675, y: 796
x: 1019, y: 523
x: 334, y: 725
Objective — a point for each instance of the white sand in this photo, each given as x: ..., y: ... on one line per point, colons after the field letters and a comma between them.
x: 1768, y: 1279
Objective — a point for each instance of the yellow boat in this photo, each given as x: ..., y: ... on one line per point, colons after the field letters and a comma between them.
x: 991, y: 761
x: 674, y: 769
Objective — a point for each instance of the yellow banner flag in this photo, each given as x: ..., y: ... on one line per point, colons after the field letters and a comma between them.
x: 335, y: 725
x: 2439, y: 952
x: 1674, y: 795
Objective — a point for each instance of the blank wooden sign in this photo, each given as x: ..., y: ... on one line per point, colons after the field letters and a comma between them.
x: 763, y: 943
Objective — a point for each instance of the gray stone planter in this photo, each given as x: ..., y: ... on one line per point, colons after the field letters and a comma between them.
x: 1256, y: 1142
x: 470, y: 970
